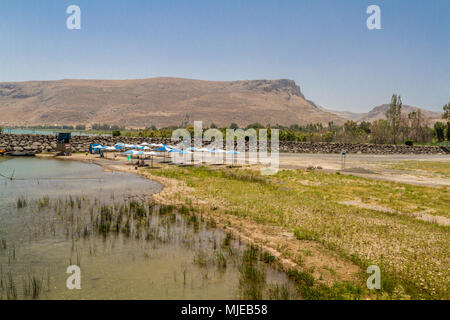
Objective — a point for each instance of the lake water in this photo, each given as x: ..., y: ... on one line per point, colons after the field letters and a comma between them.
x: 54, y: 214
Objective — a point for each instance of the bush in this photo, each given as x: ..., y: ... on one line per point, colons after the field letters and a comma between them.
x: 409, y: 143
x: 116, y: 133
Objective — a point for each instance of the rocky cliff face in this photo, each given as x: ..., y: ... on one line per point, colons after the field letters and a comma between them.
x: 278, y: 86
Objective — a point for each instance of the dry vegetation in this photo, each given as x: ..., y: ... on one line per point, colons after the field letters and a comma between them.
x: 435, y: 168
x: 307, y: 205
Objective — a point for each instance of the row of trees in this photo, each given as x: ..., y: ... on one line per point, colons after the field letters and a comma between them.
x: 412, y: 127
x: 398, y: 127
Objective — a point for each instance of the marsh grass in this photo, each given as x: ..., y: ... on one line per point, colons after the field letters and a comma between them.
x: 80, y: 220
x: 32, y: 287
x: 252, y: 277
x: 21, y: 203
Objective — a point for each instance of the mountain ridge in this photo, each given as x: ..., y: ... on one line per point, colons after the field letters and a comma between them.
x: 158, y: 101
x: 166, y: 101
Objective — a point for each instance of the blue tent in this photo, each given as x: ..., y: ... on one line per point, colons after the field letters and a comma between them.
x: 91, y: 148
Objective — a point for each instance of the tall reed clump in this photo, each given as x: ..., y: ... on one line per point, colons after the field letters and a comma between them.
x: 32, y: 287
x: 252, y: 277
x: 21, y: 203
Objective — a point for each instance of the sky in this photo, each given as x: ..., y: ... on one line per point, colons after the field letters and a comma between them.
x: 324, y: 45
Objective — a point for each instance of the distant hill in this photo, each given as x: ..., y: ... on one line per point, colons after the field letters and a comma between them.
x: 157, y: 101
x: 379, y: 112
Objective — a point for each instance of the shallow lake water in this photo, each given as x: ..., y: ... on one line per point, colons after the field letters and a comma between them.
x: 54, y: 214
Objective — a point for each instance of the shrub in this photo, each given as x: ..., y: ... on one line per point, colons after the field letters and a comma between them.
x: 409, y: 143
x: 116, y: 133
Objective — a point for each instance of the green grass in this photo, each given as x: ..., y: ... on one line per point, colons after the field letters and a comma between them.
x: 412, y: 254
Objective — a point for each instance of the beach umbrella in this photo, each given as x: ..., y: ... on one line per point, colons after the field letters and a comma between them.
x: 203, y: 150
x: 111, y: 148
x: 184, y: 152
x: 219, y: 151
x: 159, y: 145
x: 175, y: 150
x: 142, y: 148
x: 152, y: 154
x: 134, y: 152
x: 122, y: 145
x: 100, y: 148
x: 233, y: 152
x: 165, y: 149
x: 145, y: 144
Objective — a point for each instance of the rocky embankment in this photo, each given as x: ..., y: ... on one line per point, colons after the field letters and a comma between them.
x: 29, y: 144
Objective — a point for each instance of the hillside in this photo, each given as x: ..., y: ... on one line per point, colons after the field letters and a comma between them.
x: 157, y: 101
x: 380, y: 113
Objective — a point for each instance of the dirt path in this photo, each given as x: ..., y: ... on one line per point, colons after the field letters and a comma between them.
x: 369, y: 166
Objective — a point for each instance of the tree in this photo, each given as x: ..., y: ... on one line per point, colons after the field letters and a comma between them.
x: 394, y: 115
x: 417, y: 125
x: 439, y: 130
x: 255, y: 126
x: 353, y: 133
x: 379, y: 131
x: 365, y: 126
x: 234, y: 126
x: 446, y: 116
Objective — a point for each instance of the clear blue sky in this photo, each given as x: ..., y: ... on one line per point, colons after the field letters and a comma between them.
x: 324, y: 45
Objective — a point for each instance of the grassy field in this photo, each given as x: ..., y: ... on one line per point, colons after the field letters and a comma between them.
x: 412, y: 254
x: 430, y: 167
